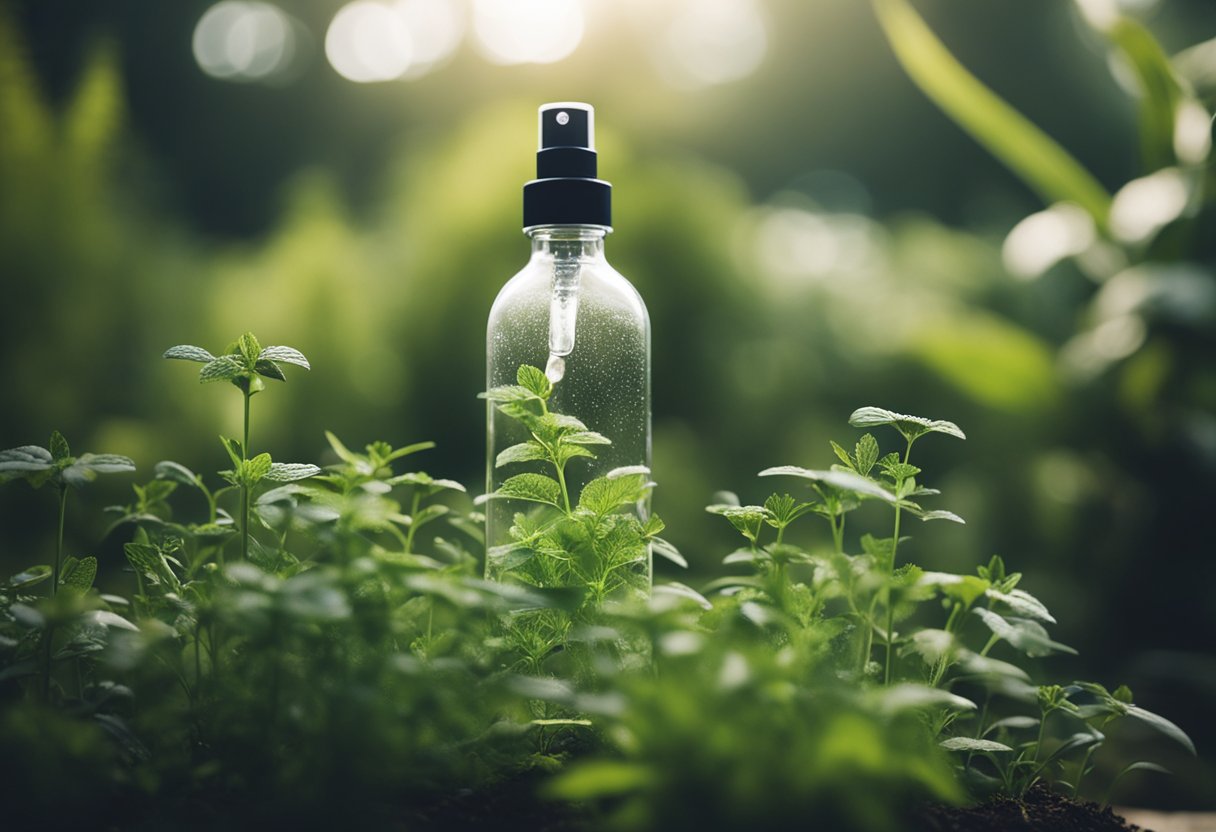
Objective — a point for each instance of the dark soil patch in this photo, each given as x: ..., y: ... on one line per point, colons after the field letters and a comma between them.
x: 1042, y: 809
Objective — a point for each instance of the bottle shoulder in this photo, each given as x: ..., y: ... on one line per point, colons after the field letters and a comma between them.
x: 599, y: 284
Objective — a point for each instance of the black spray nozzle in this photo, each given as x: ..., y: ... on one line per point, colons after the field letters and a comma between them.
x: 566, y: 190
x: 567, y: 124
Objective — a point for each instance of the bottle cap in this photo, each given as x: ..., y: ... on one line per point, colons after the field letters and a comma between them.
x: 566, y: 190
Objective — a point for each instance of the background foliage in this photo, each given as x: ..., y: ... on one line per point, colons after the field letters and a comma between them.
x: 143, y: 205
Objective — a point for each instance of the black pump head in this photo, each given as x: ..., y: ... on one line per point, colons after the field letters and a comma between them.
x: 566, y: 190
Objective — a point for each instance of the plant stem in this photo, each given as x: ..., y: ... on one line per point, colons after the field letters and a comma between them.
x: 245, y: 487
x: 409, y: 535
x: 891, y: 572
x: 63, y: 502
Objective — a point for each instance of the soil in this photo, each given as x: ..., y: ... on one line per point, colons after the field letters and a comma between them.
x: 1042, y: 809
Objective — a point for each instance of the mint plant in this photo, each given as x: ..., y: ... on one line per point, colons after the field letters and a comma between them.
x: 39, y: 466
x: 244, y: 364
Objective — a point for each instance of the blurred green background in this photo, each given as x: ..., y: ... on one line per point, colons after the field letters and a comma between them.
x: 809, y: 232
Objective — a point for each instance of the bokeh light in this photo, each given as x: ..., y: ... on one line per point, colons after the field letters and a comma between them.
x: 710, y: 42
x: 369, y: 42
x: 1144, y: 206
x: 244, y: 41
x: 527, y: 31
x: 1045, y: 238
x: 435, y: 27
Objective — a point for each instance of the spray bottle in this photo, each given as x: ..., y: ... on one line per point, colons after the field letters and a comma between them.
x: 571, y: 314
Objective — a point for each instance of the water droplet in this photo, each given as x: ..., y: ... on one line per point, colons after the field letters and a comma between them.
x: 555, y: 369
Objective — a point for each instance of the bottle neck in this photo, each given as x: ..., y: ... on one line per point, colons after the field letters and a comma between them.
x: 568, y: 242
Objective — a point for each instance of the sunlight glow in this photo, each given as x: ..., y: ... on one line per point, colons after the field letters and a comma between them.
x: 527, y: 31
x: 1043, y: 239
x: 435, y: 27
x: 368, y: 42
x: 712, y: 42
x: 243, y: 41
x: 1144, y: 206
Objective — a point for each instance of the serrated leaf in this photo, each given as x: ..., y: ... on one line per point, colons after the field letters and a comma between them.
x: 605, y: 495
x: 508, y: 393
x: 971, y: 744
x: 535, y: 380
x: 287, y: 355
x: 249, y: 348
x: 80, y: 577
x: 530, y: 451
x: 59, y: 447
x: 910, y: 426
x: 865, y: 454
x: 224, y: 368
x: 255, y: 469
x: 290, y: 471
x: 188, y: 352
x: 107, y: 463
x: 29, y: 461
x: 536, y: 488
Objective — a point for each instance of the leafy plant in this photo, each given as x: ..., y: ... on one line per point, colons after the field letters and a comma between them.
x: 38, y: 466
x: 244, y: 364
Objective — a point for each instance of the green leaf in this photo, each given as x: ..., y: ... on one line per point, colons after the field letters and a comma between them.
x: 224, y: 368
x: 406, y: 450
x: 59, y: 447
x: 176, y: 472
x: 1022, y: 634
x: 254, y: 470
x: 844, y: 480
x: 1007, y: 134
x: 235, y: 452
x: 106, y: 463
x: 911, y: 427
x: 605, y: 495
x: 536, y: 488
x: 426, y: 515
x: 508, y: 393
x: 865, y: 454
x: 1013, y: 723
x: 1160, y: 91
x: 535, y: 380
x: 187, y: 352
x: 939, y: 514
x: 249, y: 348
x: 290, y: 471
x: 973, y: 745
x: 530, y: 451
x: 287, y: 355
x: 269, y: 369
x: 596, y: 779
x: 1162, y: 725
x: 28, y: 461
x: 585, y: 437
x: 843, y: 456
x: 149, y: 562
x: 664, y: 549
x: 1022, y: 603
x: 80, y: 575
x: 29, y: 577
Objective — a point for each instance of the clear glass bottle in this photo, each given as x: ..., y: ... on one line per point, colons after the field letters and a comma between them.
x: 571, y: 314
